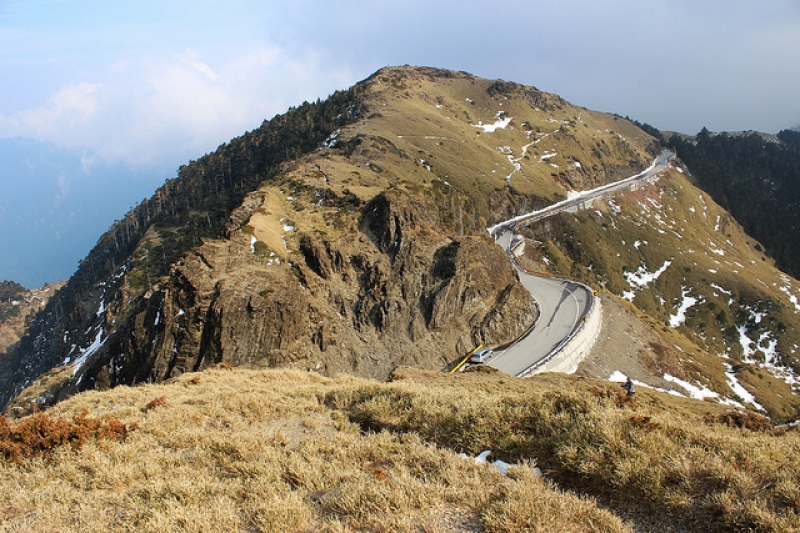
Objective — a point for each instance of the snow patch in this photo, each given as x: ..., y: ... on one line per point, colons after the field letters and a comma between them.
x: 739, y: 390
x: 333, y: 140
x: 746, y: 342
x: 717, y: 287
x: 88, y: 352
x: 617, y: 376
x: 641, y: 278
x: 680, y: 315
x: 698, y: 393
x: 500, y: 124
x: 792, y: 298
x: 628, y: 295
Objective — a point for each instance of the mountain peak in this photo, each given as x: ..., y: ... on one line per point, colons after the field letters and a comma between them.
x: 350, y: 236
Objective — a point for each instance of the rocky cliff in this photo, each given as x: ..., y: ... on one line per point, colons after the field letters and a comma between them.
x: 347, y: 235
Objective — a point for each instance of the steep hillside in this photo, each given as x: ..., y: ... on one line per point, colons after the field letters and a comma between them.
x: 18, y: 306
x: 756, y: 177
x: 345, y: 235
x: 285, y: 450
x: 721, y: 321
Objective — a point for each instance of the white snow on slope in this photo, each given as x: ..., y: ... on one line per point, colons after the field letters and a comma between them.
x: 739, y: 390
x: 746, y: 342
x: 720, y: 289
x: 87, y: 352
x: 617, y: 376
x: 500, y: 124
x: 792, y: 298
x: 641, y: 278
x: 680, y: 315
x: 712, y: 248
x: 698, y: 393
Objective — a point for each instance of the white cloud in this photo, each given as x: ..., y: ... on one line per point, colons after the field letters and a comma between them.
x: 192, y: 60
x: 177, y: 107
x: 154, y: 88
x: 71, y: 107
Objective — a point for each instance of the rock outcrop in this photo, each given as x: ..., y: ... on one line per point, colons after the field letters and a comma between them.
x: 343, y: 236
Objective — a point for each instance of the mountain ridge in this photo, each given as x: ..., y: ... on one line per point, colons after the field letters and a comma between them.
x: 210, y: 175
x: 364, y: 247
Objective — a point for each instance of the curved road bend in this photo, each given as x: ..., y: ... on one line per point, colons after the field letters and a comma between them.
x: 562, y: 303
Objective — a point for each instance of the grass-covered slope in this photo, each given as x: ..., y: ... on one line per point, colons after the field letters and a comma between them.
x: 18, y: 305
x: 482, y: 136
x: 447, y: 153
x: 725, y: 312
x: 756, y: 177
x: 283, y: 450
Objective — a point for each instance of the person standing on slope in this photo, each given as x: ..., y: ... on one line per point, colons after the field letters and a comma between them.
x: 628, y: 386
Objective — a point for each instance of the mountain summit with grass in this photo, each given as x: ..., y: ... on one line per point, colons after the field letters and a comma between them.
x: 262, y: 344
x: 349, y: 235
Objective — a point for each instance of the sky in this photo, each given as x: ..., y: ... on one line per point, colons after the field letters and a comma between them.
x: 149, y: 85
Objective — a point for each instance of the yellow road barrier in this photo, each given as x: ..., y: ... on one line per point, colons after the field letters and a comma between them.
x: 470, y: 354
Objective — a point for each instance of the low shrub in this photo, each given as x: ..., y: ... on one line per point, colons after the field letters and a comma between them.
x: 39, y: 434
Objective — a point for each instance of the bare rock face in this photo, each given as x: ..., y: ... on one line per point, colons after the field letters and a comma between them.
x: 387, y: 185
x: 382, y: 297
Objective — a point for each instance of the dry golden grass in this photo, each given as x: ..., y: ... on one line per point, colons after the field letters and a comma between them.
x: 292, y: 451
x: 264, y: 451
x: 654, y: 451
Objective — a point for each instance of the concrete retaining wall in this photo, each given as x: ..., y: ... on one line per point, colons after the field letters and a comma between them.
x: 569, y: 357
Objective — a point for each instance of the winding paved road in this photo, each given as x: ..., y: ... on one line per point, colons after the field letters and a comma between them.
x: 563, y: 304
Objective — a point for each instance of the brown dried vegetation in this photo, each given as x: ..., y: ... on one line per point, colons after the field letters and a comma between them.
x: 160, y: 401
x: 285, y: 450
x: 39, y: 434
